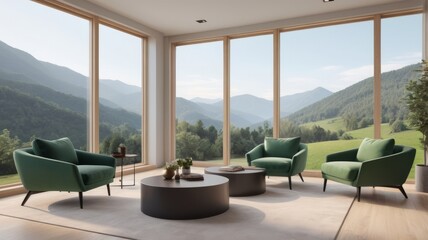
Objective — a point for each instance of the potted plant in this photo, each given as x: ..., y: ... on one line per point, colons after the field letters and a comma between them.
x: 417, y: 102
x: 122, y: 149
x: 185, y: 164
x: 170, y: 168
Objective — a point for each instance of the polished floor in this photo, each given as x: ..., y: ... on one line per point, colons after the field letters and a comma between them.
x: 382, y: 213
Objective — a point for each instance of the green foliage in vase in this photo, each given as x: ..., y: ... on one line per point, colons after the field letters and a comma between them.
x: 173, y: 165
x: 185, y: 162
x: 417, y: 102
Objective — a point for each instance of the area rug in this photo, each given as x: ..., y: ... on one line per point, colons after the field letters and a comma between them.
x: 306, y: 212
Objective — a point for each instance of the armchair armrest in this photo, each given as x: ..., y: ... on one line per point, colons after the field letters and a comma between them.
x: 44, y: 174
x: 391, y: 170
x: 87, y: 158
x: 255, y: 153
x: 298, y: 162
x: 348, y: 155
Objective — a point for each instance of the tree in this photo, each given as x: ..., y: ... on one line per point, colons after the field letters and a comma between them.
x: 417, y: 102
x: 398, y: 126
x: 7, y: 145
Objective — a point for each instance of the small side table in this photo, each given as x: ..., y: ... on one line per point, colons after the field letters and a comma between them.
x: 121, y: 168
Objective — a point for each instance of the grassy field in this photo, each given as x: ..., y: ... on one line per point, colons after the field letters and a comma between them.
x: 332, y: 124
x: 8, y: 179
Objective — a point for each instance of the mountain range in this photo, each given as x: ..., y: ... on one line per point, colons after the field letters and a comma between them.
x: 246, y: 110
x: 64, y: 91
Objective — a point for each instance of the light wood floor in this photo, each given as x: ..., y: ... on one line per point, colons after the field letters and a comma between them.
x: 382, y: 213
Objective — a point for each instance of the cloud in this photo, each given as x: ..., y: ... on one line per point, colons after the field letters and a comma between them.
x: 330, y: 68
x: 198, y: 86
x: 357, y: 74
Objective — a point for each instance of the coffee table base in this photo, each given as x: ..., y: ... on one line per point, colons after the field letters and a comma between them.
x: 243, y: 183
x: 180, y: 202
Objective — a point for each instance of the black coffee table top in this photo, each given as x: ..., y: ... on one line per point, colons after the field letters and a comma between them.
x: 160, y: 182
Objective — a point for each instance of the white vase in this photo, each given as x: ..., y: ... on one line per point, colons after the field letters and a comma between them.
x: 185, y: 171
x: 421, y: 178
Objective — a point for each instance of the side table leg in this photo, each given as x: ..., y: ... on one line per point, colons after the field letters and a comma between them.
x: 121, y: 173
x: 134, y: 172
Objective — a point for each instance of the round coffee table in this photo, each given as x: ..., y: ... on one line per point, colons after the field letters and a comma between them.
x: 171, y: 199
x: 243, y: 183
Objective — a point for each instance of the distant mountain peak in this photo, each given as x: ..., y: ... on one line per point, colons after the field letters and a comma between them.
x: 205, y: 100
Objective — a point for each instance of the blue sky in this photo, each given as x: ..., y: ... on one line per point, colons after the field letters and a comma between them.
x: 332, y: 57
x: 63, y: 39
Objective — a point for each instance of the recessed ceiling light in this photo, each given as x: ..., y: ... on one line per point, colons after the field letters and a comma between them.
x: 328, y: 0
x: 201, y: 21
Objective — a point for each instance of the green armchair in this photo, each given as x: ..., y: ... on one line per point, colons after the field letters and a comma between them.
x: 374, y: 163
x: 57, y: 166
x: 280, y: 157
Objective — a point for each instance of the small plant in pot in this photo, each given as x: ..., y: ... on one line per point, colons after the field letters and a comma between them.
x: 170, y: 168
x: 417, y: 102
x: 185, y: 164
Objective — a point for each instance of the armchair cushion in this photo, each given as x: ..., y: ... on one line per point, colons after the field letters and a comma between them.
x: 281, y: 147
x: 273, y: 164
x: 95, y: 173
x: 61, y: 149
x: 375, y: 148
x: 345, y: 170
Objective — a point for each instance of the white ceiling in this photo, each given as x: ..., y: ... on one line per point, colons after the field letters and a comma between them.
x: 176, y: 17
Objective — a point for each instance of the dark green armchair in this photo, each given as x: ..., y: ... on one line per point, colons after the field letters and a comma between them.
x: 57, y: 166
x: 280, y: 157
x: 374, y: 163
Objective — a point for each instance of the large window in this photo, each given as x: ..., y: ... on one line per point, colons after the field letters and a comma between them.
x: 45, y: 59
x: 327, y: 87
x: 401, y: 55
x: 120, y: 91
x: 199, y: 101
x: 44, y: 68
x: 251, y: 94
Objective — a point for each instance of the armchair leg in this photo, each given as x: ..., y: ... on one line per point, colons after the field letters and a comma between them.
x: 108, y: 189
x: 289, y: 182
x: 358, y: 193
x: 300, y: 175
x: 81, y: 200
x: 402, y: 191
x: 325, y: 185
x: 29, y: 193
x: 26, y: 197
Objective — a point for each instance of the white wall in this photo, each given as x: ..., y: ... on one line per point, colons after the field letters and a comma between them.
x: 155, y: 91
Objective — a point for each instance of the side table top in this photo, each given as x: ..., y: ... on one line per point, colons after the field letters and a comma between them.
x: 128, y: 155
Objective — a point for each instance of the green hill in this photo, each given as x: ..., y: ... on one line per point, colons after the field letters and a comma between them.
x: 111, y: 116
x: 28, y: 116
x: 356, y: 101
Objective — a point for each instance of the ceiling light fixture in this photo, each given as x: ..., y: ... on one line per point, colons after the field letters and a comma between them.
x: 201, y: 21
x: 328, y: 0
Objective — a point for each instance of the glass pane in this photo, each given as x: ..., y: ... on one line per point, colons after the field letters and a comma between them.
x: 400, y: 58
x: 327, y: 88
x: 251, y: 94
x: 44, y: 69
x: 120, y: 92
x: 199, y: 101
